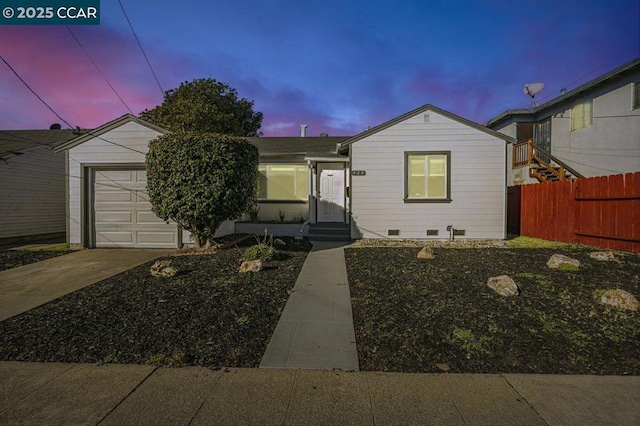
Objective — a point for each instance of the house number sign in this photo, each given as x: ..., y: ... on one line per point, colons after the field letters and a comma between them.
x: 358, y: 172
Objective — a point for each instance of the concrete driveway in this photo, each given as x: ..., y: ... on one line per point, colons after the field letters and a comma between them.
x: 29, y: 286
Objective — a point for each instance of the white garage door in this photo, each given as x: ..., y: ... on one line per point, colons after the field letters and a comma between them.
x: 122, y: 212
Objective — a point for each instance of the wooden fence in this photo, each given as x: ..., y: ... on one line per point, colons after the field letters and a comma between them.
x: 602, y: 211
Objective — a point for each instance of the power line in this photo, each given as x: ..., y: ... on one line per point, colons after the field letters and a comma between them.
x: 34, y: 92
x: 98, y: 69
x: 141, y: 49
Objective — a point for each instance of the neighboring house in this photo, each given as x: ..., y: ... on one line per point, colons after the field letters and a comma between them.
x: 411, y: 177
x: 32, y: 185
x: 593, y: 130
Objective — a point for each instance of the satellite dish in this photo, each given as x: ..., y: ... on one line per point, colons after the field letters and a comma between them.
x: 533, y: 89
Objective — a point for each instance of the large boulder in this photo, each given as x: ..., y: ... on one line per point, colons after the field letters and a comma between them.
x: 503, y: 285
x: 251, y: 266
x: 620, y: 299
x: 605, y: 256
x: 426, y: 253
x: 163, y: 268
x: 558, y: 260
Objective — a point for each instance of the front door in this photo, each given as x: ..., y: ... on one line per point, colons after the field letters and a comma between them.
x: 331, y: 195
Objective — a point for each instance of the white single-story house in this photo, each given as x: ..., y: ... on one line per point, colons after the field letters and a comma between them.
x: 32, y: 185
x: 425, y: 174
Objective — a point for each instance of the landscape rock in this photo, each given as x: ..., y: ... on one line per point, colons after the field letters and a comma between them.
x: 278, y: 242
x: 605, y: 256
x: 620, y: 299
x: 163, y: 268
x: 426, y: 253
x: 503, y: 285
x: 559, y: 259
x: 443, y: 366
x: 251, y: 266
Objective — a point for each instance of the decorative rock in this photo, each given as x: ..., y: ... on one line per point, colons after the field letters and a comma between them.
x: 559, y: 259
x: 426, y: 253
x: 503, y: 285
x: 605, y: 256
x: 443, y: 366
x: 163, y: 268
x: 278, y: 242
x: 251, y: 266
x: 620, y: 299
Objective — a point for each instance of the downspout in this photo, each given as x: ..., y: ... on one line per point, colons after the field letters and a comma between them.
x: 66, y: 197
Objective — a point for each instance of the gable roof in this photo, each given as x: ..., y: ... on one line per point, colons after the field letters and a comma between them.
x: 14, y: 141
x: 90, y: 134
x: 616, y: 73
x: 420, y: 110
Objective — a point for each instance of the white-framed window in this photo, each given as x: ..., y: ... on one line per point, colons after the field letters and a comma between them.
x: 582, y: 115
x: 283, y: 182
x: 635, y: 104
x: 427, y: 176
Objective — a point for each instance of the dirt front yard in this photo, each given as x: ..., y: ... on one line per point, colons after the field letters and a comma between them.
x: 416, y: 315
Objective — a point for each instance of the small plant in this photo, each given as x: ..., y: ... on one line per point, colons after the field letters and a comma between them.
x: 254, y: 213
x: 176, y: 360
x: 262, y: 250
x: 281, y: 215
x: 567, y: 267
x: 471, y: 343
x: 298, y: 218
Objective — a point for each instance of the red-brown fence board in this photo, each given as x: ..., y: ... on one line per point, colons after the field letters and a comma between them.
x: 602, y: 211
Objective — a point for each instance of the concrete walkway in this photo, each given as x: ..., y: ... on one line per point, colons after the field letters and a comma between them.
x: 64, y: 394
x: 29, y: 286
x: 315, y: 330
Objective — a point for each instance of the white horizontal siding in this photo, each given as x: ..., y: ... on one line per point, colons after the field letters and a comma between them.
x: 477, y: 181
x: 32, y: 194
x: 126, y: 144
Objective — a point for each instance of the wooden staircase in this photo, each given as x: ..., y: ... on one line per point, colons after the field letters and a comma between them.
x: 542, y: 165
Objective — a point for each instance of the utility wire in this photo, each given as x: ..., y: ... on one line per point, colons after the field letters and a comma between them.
x: 34, y: 92
x: 141, y: 49
x: 98, y: 69
x: 86, y: 131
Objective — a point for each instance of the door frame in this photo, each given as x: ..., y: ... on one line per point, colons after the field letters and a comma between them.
x: 319, y: 166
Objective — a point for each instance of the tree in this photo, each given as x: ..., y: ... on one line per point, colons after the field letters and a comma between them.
x: 200, y: 180
x: 208, y: 106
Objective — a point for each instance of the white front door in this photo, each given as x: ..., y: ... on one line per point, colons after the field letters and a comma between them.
x: 331, y: 195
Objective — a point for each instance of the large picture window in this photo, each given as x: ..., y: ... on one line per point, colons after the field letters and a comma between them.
x: 283, y: 182
x: 427, y: 177
x: 582, y: 115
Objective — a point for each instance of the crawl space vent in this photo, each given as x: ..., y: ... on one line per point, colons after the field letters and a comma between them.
x: 393, y: 232
x: 459, y: 232
x: 427, y: 118
x: 432, y: 232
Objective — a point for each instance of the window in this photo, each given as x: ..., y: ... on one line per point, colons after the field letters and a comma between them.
x: 542, y: 135
x: 283, y: 182
x: 582, y: 116
x: 636, y: 95
x: 428, y: 177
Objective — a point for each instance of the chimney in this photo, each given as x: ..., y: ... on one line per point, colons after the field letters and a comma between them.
x: 303, y: 130
x: 367, y: 127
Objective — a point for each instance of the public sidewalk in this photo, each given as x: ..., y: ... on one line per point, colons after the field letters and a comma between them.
x: 69, y: 394
x: 315, y: 330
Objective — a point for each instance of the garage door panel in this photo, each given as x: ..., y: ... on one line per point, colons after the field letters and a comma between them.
x: 122, y: 212
x: 103, y: 217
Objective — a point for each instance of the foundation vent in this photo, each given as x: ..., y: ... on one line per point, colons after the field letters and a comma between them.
x: 393, y: 232
x: 427, y: 118
x: 432, y: 232
x: 461, y: 232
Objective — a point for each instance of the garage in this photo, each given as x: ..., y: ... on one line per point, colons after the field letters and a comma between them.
x: 122, y: 215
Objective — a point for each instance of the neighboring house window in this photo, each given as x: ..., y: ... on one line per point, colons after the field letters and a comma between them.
x: 636, y: 95
x: 582, y: 115
x: 427, y: 177
x: 542, y: 135
x: 284, y: 182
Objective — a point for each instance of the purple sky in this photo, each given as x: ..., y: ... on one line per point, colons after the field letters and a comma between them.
x: 334, y: 65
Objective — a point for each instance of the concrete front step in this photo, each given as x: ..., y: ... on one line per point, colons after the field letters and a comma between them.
x: 329, y: 232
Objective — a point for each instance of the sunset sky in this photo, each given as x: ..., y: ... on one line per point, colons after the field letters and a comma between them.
x: 334, y: 65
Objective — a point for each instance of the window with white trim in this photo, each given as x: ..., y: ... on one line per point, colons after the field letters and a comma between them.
x: 582, y: 115
x: 427, y: 176
x: 283, y: 182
